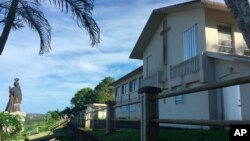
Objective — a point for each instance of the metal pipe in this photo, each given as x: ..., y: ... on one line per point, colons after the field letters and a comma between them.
x: 202, y: 122
x: 205, y: 87
x: 125, y: 104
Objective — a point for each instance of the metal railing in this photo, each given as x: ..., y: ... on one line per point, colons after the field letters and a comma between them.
x: 150, y: 108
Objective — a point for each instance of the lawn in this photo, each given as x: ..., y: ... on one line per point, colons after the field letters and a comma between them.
x: 36, y: 128
x: 119, y: 135
x: 169, y: 135
x: 61, y: 134
x: 194, y: 135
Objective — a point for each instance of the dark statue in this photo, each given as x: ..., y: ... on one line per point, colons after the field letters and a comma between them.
x: 15, y: 97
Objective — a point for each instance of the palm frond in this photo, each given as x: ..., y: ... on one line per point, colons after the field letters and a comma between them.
x: 81, y: 10
x: 4, y: 9
x: 32, y: 15
x: 29, y: 11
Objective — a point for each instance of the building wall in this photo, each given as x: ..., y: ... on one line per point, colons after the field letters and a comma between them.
x: 213, y: 19
x: 194, y: 106
x: 178, y: 23
x: 226, y: 70
x: 200, y: 105
x: 207, y: 40
x: 245, y: 104
x: 131, y: 111
x: 229, y: 69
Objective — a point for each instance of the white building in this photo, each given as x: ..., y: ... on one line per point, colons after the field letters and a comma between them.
x: 93, y: 111
x: 126, y: 91
x: 192, y: 44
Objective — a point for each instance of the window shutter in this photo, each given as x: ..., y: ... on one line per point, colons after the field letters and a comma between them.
x: 190, y: 42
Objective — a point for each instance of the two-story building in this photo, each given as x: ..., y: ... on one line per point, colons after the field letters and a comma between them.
x: 126, y: 91
x: 192, y: 44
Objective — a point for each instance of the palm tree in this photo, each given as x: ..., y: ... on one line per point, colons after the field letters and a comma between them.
x: 240, y: 9
x: 15, y: 13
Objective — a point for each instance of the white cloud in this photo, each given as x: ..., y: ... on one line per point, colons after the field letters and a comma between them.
x: 49, y: 81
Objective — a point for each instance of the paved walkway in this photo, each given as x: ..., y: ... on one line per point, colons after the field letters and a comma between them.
x: 61, y: 133
x: 40, y: 135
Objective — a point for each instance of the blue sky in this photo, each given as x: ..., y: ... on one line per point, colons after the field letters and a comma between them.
x: 49, y: 82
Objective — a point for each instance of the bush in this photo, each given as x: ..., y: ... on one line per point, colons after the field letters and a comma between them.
x: 9, y: 125
x: 56, y: 115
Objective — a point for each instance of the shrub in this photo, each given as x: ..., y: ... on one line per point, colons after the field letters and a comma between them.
x: 9, y: 125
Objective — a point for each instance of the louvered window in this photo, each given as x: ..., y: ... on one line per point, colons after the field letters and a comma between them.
x: 190, y: 42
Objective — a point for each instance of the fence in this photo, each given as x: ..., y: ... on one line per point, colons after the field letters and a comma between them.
x: 149, y: 109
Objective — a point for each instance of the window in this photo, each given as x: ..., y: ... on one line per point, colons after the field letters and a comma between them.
x: 133, y: 85
x: 140, y: 81
x: 190, y: 42
x: 124, y: 89
x: 224, y: 38
x: 118, y: 91
x: 124, y: 109
x: 178, y: 99
x: 149, y: 63
x: 133, y: 108
x: 164, y: 100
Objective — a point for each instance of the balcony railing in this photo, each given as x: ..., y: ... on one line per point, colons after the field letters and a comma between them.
x: 189, y: 66
x: 150, y: 80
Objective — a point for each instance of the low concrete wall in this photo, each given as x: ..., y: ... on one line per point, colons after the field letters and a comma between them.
x: 119, y: 124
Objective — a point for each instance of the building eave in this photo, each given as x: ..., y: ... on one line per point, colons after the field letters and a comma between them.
x: 147, y: 33
x: 228, y: 56
x: 96, y: 105
x: 129, y: 75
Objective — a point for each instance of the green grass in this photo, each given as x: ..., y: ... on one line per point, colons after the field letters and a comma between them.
x: 194, y: 135
x: 169, y: 135
x: 31, y: 128
x: 119, y: 135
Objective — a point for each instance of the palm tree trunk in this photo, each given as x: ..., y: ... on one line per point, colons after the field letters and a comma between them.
x: 7, y: 27
x: 241, y: 12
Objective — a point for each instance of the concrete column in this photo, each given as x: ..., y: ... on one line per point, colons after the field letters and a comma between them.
x: 149, y: 111
x: 110, y: 123
x: 81, y: 119
x: 87, y: 119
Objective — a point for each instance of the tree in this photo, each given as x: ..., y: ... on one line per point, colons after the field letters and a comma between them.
x: 55, y: 115
x: 104, y: 91
x: 67, y: 111
x: 14, y: 13
x: 82, y: 97
x: 240, y: 9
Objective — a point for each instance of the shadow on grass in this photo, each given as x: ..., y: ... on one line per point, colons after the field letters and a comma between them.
x: 60, y: 134
x: 164, y: 134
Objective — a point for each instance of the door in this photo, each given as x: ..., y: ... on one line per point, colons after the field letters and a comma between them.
x: 232, y: 103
